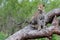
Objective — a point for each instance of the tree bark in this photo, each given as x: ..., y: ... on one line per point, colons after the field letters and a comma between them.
x: 50, y: 15
x: 30, y: 33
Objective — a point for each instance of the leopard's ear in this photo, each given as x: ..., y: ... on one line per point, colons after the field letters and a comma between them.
x: 55, y: 21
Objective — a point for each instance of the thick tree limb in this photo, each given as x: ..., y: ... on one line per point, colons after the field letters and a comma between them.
x: 29, y: 33
x: 50, y: 15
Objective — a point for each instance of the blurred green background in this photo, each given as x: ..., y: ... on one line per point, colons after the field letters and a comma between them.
x: 13, y: 12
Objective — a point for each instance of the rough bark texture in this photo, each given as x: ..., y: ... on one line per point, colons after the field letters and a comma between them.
x: 30, y: 33
x: 50, y: 15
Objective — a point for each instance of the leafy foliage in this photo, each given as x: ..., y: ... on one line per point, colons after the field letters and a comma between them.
x: 2, y: 36
x: 13, y: 12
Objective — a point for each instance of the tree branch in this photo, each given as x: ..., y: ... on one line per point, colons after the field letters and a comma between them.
x: 50, y: 15
x: 29, y: 33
